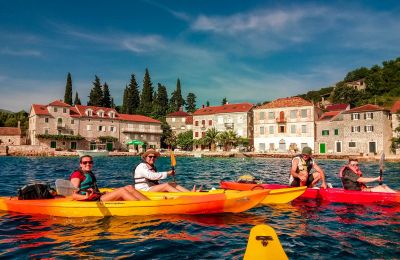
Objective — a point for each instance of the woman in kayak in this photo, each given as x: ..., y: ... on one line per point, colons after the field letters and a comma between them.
x: 84, y: 181
x: 300, y: 172
x: 146, y: 177
x: 352, y: 179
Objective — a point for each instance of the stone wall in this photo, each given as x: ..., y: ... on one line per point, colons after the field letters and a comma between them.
x: 29, y: 150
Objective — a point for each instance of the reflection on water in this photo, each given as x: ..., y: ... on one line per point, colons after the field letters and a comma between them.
x: 308, y: 229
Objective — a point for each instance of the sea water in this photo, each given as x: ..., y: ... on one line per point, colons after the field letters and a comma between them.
x: 307, y: 229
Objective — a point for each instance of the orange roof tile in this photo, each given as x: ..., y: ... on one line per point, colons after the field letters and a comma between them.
x: 178, y: 114
x: 58, y: 103
x: 365, y: 108
x: 138, y: 118
x: 329, y: 115
x: 227, y: 108
x: 40, y: 110
x: 10, y: 131
x: 286, y: 102
x: 337, y: 107
x: 396, y: 107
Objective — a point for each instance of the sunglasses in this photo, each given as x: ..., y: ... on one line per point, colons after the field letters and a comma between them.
x: 354, y: 164
x: 87, y: 162
x: 151, y: 156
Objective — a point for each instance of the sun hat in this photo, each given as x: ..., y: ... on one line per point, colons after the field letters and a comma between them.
x: 150, y: 151
x: 306, y: 150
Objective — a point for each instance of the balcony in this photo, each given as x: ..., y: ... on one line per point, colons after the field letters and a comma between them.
x: 281, y: 120
x: 60, y: 125
x: 229, y: 125
x: 141, y: 130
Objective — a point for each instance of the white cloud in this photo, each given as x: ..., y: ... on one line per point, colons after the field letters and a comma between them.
x: 15, y: 52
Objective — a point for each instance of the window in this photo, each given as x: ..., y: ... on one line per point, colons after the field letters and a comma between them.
x: 261, y: 130
x: 196, y: 123
x: 271, y: 115
x: 55, y: 109
x: 352, y: 144
x: 271, y: 129
x: 100, y: 128
x: 53, y: 144
x: 203, y: 122
x: 303, y: 113
x: 73, y: 145
x: 336, y: 131
x: 209, y: 122
x: 369, y: 115
x: 72, y: 121
x: 89, y: 112
x: 293, y: 114
x: 261, y: 147
x: 100, y: 113
x: 46, y: 131
x: 356, y: 129
x: 262, y: 115
x: 89, y: 127
x: 64, y: 110
x: 325, y: 132
x: 281, y: 129
x: 355, y: 116
x: 112, y: 128
x: 369, y: 128
x: 46, y: 120
x: 293, y: 129
x: 303, y: 129
x: 111, y: 114
x: 196, y: 134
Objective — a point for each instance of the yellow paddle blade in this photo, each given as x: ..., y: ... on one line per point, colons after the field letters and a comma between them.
x: 173, y: 161
x: 264, y: 244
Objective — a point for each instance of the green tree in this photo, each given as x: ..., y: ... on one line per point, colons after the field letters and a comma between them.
x: 167, y: 135
x: 191, y: 103
x: 356, y: 74
x: 176, y: 101
x: 125, y: 101
x: 228, y: 139
x: 207, y: 103
x: 77, y: 100
x: 185, y: 140
x: 211, y: 138
x: 224, y: 101
x: 146, y: 100
x: 68, y: 90
x: 345, y: 94
x: 160, y: 104
x: 133, y: 96
x: 96, y: 93
x: 106, y: 102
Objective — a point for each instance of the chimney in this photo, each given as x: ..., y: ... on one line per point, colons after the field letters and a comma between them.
x: 202, y: 106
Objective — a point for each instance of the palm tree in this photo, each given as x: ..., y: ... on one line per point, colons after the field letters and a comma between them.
x: 211, y: 138
x: 228, y: 139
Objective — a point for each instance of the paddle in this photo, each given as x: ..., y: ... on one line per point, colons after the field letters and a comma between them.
x: 381, y: 166
x: 173, y: 163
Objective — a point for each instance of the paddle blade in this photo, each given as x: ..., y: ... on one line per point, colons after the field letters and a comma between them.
x: 173, y: 160
x: 381, y: 167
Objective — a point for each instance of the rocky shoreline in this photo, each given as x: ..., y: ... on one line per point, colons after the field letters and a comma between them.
x: 40, y: 151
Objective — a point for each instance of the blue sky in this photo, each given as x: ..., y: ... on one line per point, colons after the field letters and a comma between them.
x: 243, y: 50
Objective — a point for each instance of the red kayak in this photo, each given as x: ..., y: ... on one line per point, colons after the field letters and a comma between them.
x: 329, y: 194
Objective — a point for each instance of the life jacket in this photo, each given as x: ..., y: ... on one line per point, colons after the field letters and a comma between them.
x: 144, y: 179
x: 90, y: 182
x: 303, y: 165
x: 359, y: 173
x: 351, y: 185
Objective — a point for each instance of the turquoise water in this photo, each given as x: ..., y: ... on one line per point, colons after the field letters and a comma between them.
x: 307, y: 229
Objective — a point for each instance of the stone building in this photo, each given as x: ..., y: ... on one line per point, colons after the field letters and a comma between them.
x: 10, y: 136
x: 61, y: 126
x: 180, y: 122
x: 235, y: 117
x: 329, y: 133
x: 285, y: 125
x: 395, y: 110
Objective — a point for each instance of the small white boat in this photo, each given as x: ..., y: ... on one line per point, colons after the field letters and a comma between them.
x: 93, y: 153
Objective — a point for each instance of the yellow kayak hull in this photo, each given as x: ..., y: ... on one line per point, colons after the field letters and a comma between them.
x: 263, y: 243
x: 207, y: 204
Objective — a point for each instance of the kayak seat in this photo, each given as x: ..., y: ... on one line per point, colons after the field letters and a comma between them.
x: 64, y: 187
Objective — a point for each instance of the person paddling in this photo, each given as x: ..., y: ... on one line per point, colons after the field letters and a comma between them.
x: 352, y: 179
x: 146, y: 177
x: 85, y: 183
x: 300, y: 172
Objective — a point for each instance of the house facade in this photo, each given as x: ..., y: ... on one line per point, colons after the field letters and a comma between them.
x: 284, y: 125
x: 395, y: 111
x: 61, y: 126
x: 235, y: 117
x: 367, y: 130
x: 10, y: 136
x: 329, y: 134
x: 180, y: 122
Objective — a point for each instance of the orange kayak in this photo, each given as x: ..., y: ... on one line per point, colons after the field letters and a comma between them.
x: 207, y: 204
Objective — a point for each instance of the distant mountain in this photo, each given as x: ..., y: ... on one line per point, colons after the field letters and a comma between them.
x: 6, y: 111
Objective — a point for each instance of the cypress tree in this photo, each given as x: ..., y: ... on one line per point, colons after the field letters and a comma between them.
x: 224, y: 101
x: 207, y: 103
x: 191, y: 103
x: 96, y: 93
x: 125, y: 100
x: 177, y: 101
x: 77, y: 100
x: 112, y: 103
x: 160, y: 104
x: 133, y: 97
x: 106, y: 102
x: 146, y: 100
x: 68, y: 90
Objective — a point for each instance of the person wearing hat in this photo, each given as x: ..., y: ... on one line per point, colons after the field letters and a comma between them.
x: 300, y: 172
x: 146, y: 177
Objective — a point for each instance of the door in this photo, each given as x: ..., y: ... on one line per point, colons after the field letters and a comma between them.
x: 73, y: 145
x: 322, y: 148
x: 109, y: 146
x: 372, y: 147
x: 338, y: 147
x: 53, y: 144
x: 282, y: 145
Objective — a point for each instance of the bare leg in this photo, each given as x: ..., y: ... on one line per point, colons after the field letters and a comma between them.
x: 118, y: 194
x: 135, y: 193
x: 163, y: 187
x: 382, y: 188
x: 317, y: 178
x: 179, y: 187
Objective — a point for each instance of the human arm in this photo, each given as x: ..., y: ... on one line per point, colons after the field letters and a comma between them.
x: 366, y: 179
x: 76, y: 195
x: 321, y: 173
x: 142, y: 171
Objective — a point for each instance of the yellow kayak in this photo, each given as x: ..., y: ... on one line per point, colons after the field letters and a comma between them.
x: 278, y: 196
x: 263, y: 243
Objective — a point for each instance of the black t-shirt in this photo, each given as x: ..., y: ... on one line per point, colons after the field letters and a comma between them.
x: 349, y: 180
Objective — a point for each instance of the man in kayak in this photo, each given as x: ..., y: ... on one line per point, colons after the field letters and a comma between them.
x: 300, y: 172
x: 147, y: 178
x: 84, y: 181
x: 352, y: 179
